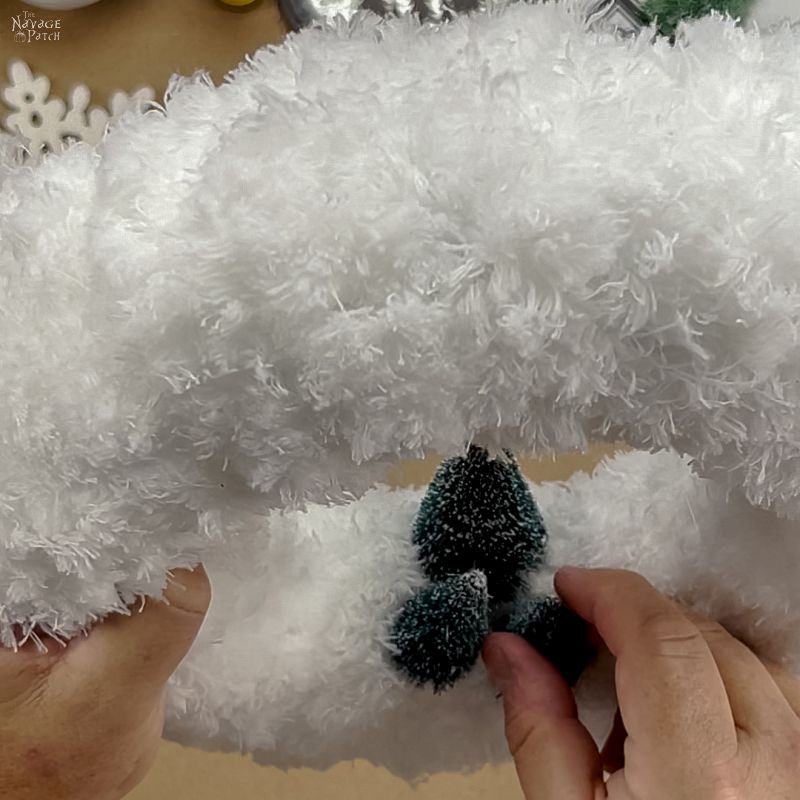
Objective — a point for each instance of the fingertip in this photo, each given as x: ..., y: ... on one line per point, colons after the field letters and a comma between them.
x: 590, y: 591
x: 565, y: 573
x: 188, y: 590
x: 147, y: 644
x: 496, y: 659
x: 524, y: 676
x: 507, y: 651
x: 512, y: 653
x: 554, y: 754
x: 567, y: 576
x: 565, y: 581
x: 495, y: 642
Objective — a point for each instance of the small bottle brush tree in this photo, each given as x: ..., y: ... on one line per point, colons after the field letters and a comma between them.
x: 478, y: 533
x: 439, y: 632
x: 555, y: 631
x: 479, y: 514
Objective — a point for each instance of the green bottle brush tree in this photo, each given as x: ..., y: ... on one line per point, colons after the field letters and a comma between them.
x: 478, y: 534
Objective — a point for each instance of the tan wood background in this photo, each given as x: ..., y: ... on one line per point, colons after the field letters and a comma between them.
x: 124, y: 44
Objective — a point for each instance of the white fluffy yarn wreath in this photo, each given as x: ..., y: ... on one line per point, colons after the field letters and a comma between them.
x: 375, y: 242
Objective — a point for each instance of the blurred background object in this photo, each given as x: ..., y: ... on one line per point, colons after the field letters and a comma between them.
x: 60, y: 5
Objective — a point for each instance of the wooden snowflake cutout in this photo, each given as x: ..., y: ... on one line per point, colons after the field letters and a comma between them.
x: 47, y: 124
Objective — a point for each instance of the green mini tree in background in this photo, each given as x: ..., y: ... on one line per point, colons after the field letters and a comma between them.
x: 479, y: 514
x: 439, y: 631
x: 668, y: 13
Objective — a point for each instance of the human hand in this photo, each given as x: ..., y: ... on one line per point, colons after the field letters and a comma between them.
x: 83, y: 722
x: 700, y: 716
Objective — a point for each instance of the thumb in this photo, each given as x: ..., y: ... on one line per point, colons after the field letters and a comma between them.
x: 147, y: 646
x: 555, y: 757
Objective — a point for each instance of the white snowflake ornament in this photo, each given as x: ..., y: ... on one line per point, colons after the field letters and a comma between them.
x: 47, y: 124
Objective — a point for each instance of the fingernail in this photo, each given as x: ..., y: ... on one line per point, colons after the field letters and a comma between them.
x: 564, y: 575
x: 498, y: 664
x: 189, y: 590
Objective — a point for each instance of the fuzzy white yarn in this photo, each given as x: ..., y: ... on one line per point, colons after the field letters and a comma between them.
x: 294, y: 667
x: 375, y: 242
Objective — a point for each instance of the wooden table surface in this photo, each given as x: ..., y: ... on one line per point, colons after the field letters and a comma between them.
x: 124, y: 44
